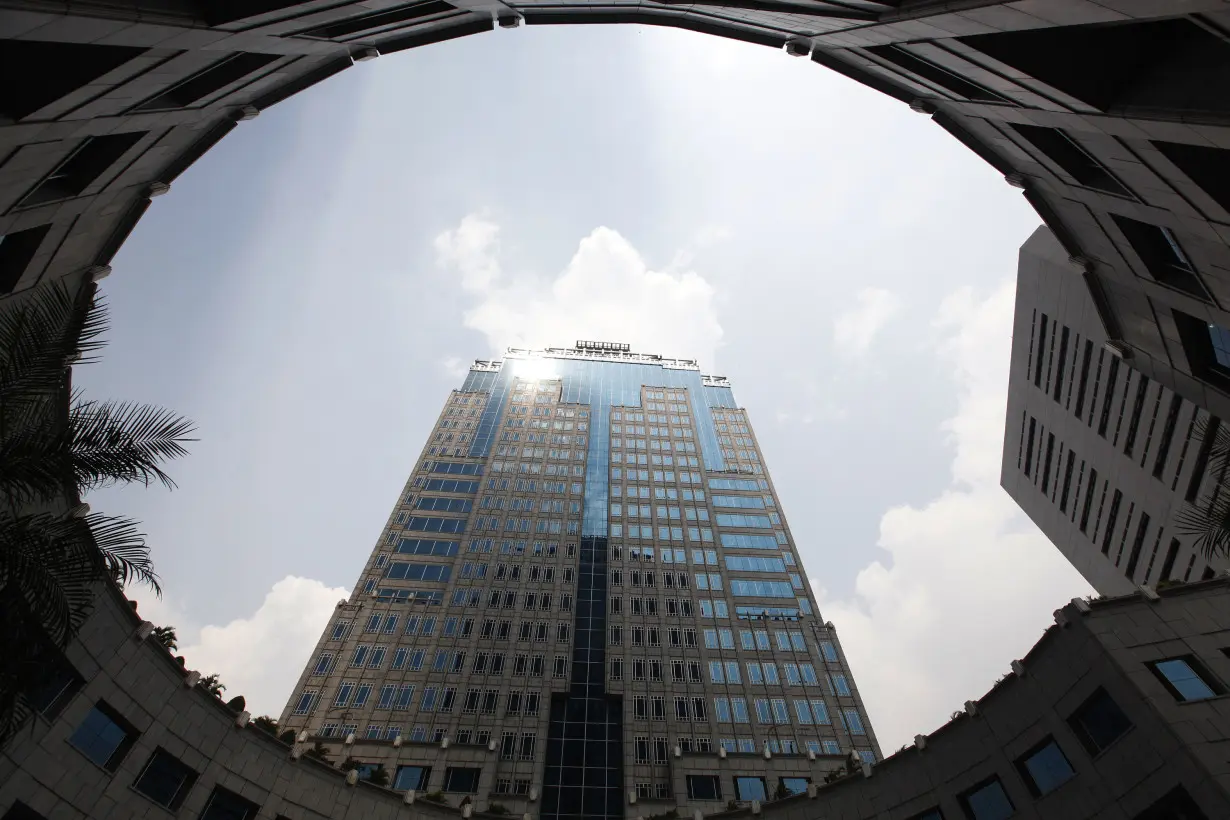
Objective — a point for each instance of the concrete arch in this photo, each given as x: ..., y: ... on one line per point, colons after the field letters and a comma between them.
x: 1112, y: 118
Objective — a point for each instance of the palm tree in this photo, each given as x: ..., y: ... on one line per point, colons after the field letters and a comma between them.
x: 212, y: 685
x: 55, y: 446
x: 166, y: 636
x: 1209, y: 518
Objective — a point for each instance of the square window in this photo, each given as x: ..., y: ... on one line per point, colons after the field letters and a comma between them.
x: 750, y: 788
x: 461, y: 780
x: 987, y: 801
x: 704, y: 787
x: 1045, y: 768
x: 1186, y: 679
x: 1098, y: 722
x: 104, y: 737
x: 226, y: 805
x: 165, y: 779
x: 793, y: 785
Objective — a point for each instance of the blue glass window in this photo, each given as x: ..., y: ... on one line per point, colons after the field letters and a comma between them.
x: 794, y: 785
x: 1185, y: 680
x: 987, y: 801
x: 738, y: 520
x: 411, y: 777
x: 1220, y: 337
x: 104, y: 737
x: 1045, y: 768
x: 751, y: 788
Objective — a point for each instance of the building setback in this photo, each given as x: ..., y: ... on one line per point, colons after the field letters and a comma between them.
x: 589, y: 571
x: 1099, y: 455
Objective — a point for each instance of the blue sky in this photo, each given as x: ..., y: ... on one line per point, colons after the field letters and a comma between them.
x: 310, y: 291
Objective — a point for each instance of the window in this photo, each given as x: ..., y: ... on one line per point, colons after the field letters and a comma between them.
x: 200, y: 85
x: 16, y: 251
x: 1099, y: 722
x: 461, y: 780
x: 165, y: 780
x: 750, y: 788
x: 986, y: 801
x: 226, y: 805
x: 793, y: 785
x: 704, y: 787
x: 1186, y: 679
x: 1072, y: 157
x: 1165, y: 260
x: 1045, y: 768
x: 81, y: 168
x: 104, y: 737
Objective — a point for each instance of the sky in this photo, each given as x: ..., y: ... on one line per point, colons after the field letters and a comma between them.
x: 310, y: 291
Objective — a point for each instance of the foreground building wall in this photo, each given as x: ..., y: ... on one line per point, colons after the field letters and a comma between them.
x: 1100, y: 456
x: 1098, y: 720
x: 1120, y: 711
x: 1113, y: 117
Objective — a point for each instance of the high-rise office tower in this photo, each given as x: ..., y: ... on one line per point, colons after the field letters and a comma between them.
x: 1099, y: 455
x: 587, y: 595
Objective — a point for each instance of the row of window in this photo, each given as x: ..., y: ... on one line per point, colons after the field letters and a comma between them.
x: 758, y: 673
x: 400, y: 696
x: 539, y: 453
x: 106, y: 738
x: 658, y: 476
x: 515, y: 504
x: 641, y: 460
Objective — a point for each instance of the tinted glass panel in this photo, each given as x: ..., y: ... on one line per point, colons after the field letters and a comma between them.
x: 750, y: 788
x: 988, y: 802
x: 1184, y: 681
x: 102, y: 738
x: 1046, y: 768
x: 1099, y: 722
x: 165, y: 780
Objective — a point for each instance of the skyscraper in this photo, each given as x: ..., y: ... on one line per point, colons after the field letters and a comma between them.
x: 586, y: 595
x: 1098, y: 454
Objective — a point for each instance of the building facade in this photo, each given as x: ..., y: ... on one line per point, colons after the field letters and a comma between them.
x: 1119, y: 711
x: 1112, y: 116
x: 588, y: 571
x: 1098, y: 454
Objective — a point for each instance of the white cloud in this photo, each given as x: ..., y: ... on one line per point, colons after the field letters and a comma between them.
x: 972, y: 584
x: 607, y: 292
x: 856, y: 329
x: 259, y: 657
x: 472, y: 249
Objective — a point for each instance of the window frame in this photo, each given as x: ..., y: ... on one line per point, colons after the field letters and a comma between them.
x: 963, y: 798
x: 121, y: 750
x: 181, y: 793
x: 1078, y: 727
x: 1202, y: 673
x: 1022, y: 767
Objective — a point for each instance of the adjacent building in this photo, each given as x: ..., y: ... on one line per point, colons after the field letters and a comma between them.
x: 588, y: 571
x: 1098, y: 454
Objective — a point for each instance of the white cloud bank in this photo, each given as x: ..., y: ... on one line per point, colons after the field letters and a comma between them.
x: 856, y: 329
x: 607, y: 292
x: 972, y: 584
x: 261, y: 656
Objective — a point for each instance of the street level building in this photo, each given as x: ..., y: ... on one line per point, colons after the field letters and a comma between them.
x: 588, y: 572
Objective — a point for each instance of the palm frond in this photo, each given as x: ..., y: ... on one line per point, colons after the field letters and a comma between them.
x: 35, y: 458
x: 124, y: 550
x: 42, y: 332
x: 1218, y: 438
x: 1209, y: 522
x: 119, y: 442
x: 47, y: 566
